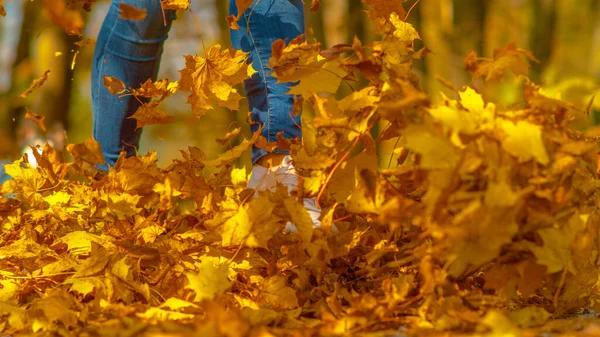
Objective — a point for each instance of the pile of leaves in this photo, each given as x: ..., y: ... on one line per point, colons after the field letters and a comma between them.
x: 486, y: 222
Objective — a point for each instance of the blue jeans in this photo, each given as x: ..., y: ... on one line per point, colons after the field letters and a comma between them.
x: 131, y: 51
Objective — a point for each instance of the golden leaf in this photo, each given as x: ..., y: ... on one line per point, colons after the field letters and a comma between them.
x: 252, y: 225
x: 524, y: 140
x: 210, y: 79
x: 150, y: 114
x: 275, y: 294
x: 175, y: 4
x: 209, y: 281
x: 89, y: 151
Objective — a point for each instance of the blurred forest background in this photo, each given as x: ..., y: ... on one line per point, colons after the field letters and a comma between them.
x: 563, y: 34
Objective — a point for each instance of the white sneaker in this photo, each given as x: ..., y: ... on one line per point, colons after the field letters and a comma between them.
x: 263, y: 179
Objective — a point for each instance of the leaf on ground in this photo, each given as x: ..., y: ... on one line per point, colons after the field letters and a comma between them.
x: 252, y: 225
x: 300, y: 218
x: 209, y: 281
x: 275, y: 294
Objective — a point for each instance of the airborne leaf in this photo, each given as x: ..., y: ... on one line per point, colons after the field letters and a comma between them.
x: 210, y: 79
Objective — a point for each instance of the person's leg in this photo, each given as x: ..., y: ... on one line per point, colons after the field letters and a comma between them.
x: 269, y: 102
x: 270, y: 105
x: 130, y: 51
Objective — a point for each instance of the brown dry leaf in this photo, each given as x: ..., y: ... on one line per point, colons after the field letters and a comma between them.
x: 508, y: 57
x: 37, y: 119
x: 262, y: 143
x: 36, y: 84
x: 229, y: 136
x: 160, y: 88
x: 315, y: 5
x: 69, y: 19
x: 233, y: 154
x: 2, y: 10
x: 150, y: 114
x: 114, y: 85
x: 129, y: 12
x: 385, y: 8
x: 211, y: 79
x: 242, y: 6
x: 89, y: 151
x: 82, y: 43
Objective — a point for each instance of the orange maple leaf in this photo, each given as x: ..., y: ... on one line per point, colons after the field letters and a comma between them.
x: 211, y: 79
x: 508, y: 57
x: 129, y: 12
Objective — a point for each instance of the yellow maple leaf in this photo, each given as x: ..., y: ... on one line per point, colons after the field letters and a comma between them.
x: 327, y: 78
x: 58, y: 198
x: 80, y: 242
x: 252, y: 225
x: 155, y: 89
x: 556, y: 252
x: 403, y: 30
x: 300, y: 218
x: 210, y: 79
x: 524, y: 140
x: 122, y: 205
x: 25, y: 180
x: 209, y: 281
x: 158, y: 314
x: 17, y: 317
x: 275, y: 294
x: 437, y: 151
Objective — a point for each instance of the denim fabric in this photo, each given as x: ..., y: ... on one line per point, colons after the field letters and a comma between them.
x: 264, y: 22
x: 131, y: 51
